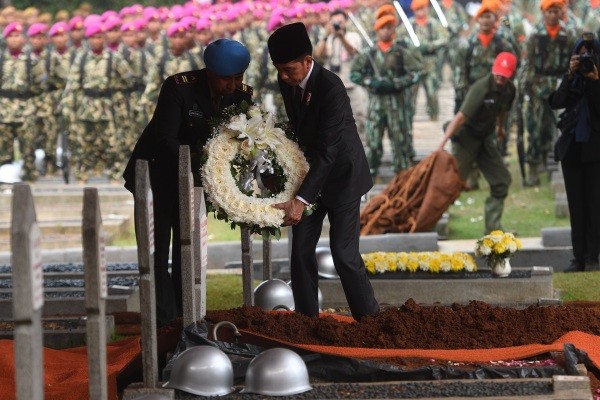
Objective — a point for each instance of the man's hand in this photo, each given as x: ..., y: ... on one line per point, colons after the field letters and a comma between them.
x: 293, y: 211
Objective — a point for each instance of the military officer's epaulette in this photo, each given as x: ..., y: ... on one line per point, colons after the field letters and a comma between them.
x: 246, y: 89
x: 184, y: 78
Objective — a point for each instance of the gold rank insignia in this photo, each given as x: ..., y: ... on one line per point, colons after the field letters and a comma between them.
x: 246, y: 89
x: 185, y: 77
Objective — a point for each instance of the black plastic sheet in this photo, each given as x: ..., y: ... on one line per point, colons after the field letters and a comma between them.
x: 344, y: 369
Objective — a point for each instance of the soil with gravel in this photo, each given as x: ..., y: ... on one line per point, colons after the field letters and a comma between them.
x: 476, y: 325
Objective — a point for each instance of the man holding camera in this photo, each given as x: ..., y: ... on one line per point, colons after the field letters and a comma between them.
x: 336, y: 51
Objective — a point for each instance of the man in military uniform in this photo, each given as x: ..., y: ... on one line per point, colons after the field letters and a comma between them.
x: 186, y: 104
x: 548, y: 50
x: 21, y: 77
x: 388, y: 71
x: 95, y: 73
x: 473, y: 132
x: 458, y: 23
x: 172, y: 60
x: 433, y: 38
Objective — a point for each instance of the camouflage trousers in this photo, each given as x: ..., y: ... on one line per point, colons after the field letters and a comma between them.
x: 540, y: 121
x: 382, y: 117
x: 25, y: 134
x: 92, y: 145
x: 47, y: 139
x: 430, y: 84
x: 124, y: 131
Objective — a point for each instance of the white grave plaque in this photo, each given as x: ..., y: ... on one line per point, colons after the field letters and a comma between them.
x: 204, y: 240
x: 102, y: 264
x: 150, y: 206
x: 37, y: 274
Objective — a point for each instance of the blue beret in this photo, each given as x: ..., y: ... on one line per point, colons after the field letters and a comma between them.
x: 226, y: 57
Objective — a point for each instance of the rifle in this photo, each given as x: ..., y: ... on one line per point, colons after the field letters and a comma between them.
x: 520, y: 134
x: 407, y: 24
x: 367, y: 39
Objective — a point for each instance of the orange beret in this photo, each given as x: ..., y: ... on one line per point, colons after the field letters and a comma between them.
x: 384, y: 10
x: 385, y: 20
x: 546, y: 4
x: 492, y: 6
x: 416, y: 4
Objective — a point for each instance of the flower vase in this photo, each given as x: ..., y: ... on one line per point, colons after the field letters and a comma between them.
x: 501, y: 268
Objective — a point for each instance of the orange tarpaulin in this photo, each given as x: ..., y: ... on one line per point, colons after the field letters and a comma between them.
x: 66, y: 371
x: 581, y: 340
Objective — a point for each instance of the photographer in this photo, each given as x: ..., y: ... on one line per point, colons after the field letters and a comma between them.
x: 336, y: 51
x: 578, y: 150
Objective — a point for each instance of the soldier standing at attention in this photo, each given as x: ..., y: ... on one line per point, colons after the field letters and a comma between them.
x: 433, y: 38
x: 548, y: 50
x: 473, y: 132
x: 186, y: 104
x: 476, y: 54
x: 94, y: 74
x: 21, y: 77
x: 387, y: 71
x: 458, y: 23
x: 168, y: 62
x: 76, y: 32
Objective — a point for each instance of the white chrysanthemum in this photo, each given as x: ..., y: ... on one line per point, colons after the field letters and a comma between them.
x: 241, y: 135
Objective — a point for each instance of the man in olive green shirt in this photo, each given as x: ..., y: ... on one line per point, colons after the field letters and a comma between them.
x: 482, y: 114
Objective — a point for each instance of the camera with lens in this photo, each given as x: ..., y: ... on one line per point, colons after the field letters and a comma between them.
x: 336, y: 26
x: 586, y: 60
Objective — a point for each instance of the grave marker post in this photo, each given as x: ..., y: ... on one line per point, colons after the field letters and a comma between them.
x: 96, y: 292
x: 28, y: 295
x: 186, y: 224
x: 200, y: 252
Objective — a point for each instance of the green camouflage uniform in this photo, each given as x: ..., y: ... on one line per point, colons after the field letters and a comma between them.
x: 458, y: 21
x: 164, y: 66
x: 140, y: 62
x: 591, y: 22
x: 21, y: 79
x: 400, y: 68
x: 474, y: 61
x: 47, y: 115
x: 433, y: 38
x: 546, y: 62
x: 96, y: 77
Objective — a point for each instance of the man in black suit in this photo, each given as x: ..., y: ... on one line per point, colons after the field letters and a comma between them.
x: 319, y: 110
x: 186, y: 104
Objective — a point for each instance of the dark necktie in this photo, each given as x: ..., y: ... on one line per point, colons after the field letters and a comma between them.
x: 297, y: 102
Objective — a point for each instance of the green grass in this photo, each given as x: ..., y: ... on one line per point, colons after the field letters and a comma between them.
x: 526, y: 210
x: 225, y: 291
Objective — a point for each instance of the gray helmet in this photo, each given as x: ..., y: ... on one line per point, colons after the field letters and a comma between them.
x: 319, y: 295
x: 325, y: 263
x: 277, y: 372
x: 202, y: 370
x: 273, y: 294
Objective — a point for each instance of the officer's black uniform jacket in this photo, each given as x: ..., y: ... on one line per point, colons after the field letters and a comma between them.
x: 181, y: 117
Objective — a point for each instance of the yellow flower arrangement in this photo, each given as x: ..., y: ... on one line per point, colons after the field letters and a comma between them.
x: 432, y: 261
x: 497, y: 246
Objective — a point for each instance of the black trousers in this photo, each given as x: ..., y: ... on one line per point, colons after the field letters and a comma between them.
x: 343, y: 235
x: 583, y: 195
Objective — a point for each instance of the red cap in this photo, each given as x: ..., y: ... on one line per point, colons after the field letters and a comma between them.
x: 505, y: 64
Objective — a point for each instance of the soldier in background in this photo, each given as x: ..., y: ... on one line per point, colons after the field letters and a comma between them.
x: 171, y: 61
x: 94, y: 139
x: 476, y: 54
x: 458, y: 24
x: 336, y: 50
x: 387, y: 71
x: 76, y: 32
x: 21, y: 77
x: 548, y: 50
x: 433, y: 38
x: 140, y: 61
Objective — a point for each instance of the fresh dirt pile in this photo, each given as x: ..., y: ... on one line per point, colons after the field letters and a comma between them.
x: 477, y: 325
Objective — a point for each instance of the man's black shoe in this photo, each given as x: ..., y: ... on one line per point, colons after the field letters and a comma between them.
x: 592, y: 266
x: 575, y: 266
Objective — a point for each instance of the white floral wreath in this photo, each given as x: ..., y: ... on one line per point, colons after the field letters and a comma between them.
x: 247, y: 137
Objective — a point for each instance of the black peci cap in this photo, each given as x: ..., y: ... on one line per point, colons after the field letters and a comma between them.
x: 288, y: 43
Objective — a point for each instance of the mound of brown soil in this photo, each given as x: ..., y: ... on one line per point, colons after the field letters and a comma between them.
x: 477, y: 325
